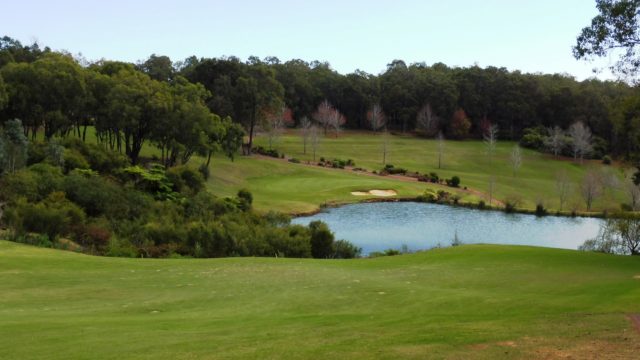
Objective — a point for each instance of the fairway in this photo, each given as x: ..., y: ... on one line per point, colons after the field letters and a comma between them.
x: 534, y: 181
x: 481, y: 302
x: 298, y: 188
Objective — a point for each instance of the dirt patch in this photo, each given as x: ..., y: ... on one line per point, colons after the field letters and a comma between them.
x: 380, y: 193
x: 637, y: 277
x: 635, y: 321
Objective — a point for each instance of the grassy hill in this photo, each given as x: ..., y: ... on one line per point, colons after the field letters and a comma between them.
x: 536, y: 179
x: 479, y: 301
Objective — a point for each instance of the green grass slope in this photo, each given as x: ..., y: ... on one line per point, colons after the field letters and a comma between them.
x: 536, y: 179
x: 480, y: 301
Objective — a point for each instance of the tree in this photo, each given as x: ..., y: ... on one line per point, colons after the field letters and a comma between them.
x: 633, y: 191
x: 233, y: 137
x: 4, y: 96
x: 492, y: 186
x: 490, y: 140
x: 426, y: 120
x: 460, y: 125
x: 275, y: 122
x: 385, y: 146
x: 515, y: 159
x: 314, y: 135
x: 376, y: 118
x: 614, y: 28
x: 563, y: 187
x: 591, y: 187
x: 555, y: 140
x: 305, y: 132
x: 620, y: 234
x: 13, y: 146
x: 440, y: 149
x: 329, y: 117
x: 321, y: 240
x: 580, y: 140
x: 158, y: 68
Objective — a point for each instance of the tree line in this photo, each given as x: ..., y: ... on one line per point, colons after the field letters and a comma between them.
x: 133, y: 103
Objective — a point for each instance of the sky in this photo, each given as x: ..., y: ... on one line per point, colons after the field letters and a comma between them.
x: 526, y: 35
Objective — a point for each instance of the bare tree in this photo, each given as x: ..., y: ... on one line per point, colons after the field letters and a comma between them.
x: 492, y: 186
x: 491, y: 139
x: 515, y: 159
x: 274, y: 124
x: 314, y: 136
x: 563, y: 187
x: 440, y: 149
x: 555, y: 140
x: 633, y: 191
x: 329, y: 117
x: 591, y: 187
x: 305, y: 132
x: 385, y: 146
x: 581, y: 140
x: 426, y: 120
x: 376, y: 118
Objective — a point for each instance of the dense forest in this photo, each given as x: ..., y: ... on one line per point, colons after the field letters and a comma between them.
x: 132, y: 103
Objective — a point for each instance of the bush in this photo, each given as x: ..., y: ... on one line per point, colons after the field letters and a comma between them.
x: 482, y: 205
x: 540, y: 210
x: 74, y: 160
x: 185, y: 179
x: 54, y: 216
x: 606, y: 160
x: 346, y: 250
x: 204, y: 171
x: 294, y: 160
x: 245, y: 199
x: 453, y: 182
x: 321, y: 240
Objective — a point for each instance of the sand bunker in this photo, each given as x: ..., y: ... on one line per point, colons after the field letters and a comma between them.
x: 383, y: 193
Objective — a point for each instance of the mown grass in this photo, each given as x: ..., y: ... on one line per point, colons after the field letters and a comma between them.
x: 476, y: 301
x: 535, y: 181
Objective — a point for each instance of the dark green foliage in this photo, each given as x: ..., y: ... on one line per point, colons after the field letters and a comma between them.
x: 73, y: 159
x: 540, y: 209
x: 453, y: 182
x: 245, y: 199
x: 294, y: 160
x: 606, y: 160
x: 345, y: 250
x: 321, y: 240
x: 266, y: 152
x: 13, y: 146
x: 185, y: 179
x: 481, y: 205
x: 533, y: 138
x: 54, y: 216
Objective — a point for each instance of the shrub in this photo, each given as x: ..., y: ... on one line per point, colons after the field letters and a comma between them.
x: 294, y: 160
x: 346, y: 250
x: 481, y: 205
x: 204, y: 171
x: 453, y: 182
x: 245, y: 199
x: 185, y: 179
x: 511, y: 203
x: 54, y: 216
x: 540, y: 210
x: 321, y: 240
x: 606, y: 160
x: 74, y: 160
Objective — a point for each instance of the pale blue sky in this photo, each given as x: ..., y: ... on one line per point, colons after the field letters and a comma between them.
x: 532, y: 36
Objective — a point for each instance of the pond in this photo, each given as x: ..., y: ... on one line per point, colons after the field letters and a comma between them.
x: 420, y: 226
